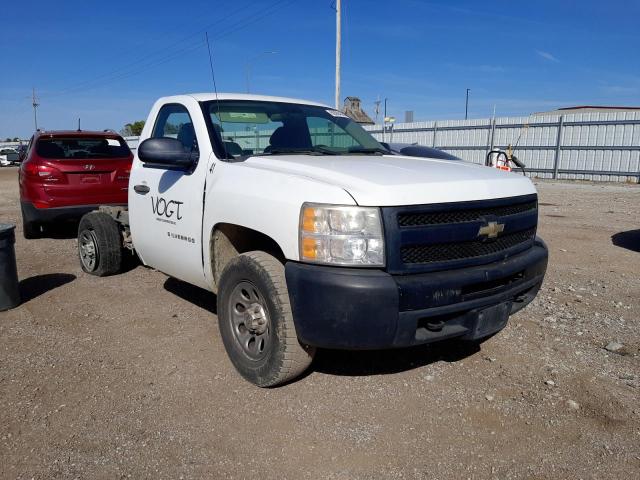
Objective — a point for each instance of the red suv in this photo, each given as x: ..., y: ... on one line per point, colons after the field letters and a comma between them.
x: 68, y: 173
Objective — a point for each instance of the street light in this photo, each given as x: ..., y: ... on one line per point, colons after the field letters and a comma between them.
x: 252, y: 60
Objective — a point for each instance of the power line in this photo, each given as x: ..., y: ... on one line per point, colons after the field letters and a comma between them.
x: 144, y: 64
x: 161, y: 53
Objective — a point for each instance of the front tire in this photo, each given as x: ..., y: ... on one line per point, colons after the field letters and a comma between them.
x: 99, y: 244
x: 256, y: 322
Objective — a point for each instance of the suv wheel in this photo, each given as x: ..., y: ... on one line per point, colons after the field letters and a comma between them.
x: 30, y: 230
x: 99, y: 244
x: 256, y: 323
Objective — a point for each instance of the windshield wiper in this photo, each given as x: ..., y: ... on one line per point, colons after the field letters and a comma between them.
x: 378, y: 150
x: 317, y: 150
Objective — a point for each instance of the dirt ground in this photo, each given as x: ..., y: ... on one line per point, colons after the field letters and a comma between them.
x: 126, y: 376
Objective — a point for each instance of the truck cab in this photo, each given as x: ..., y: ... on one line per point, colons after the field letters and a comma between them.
x: 314, y: 235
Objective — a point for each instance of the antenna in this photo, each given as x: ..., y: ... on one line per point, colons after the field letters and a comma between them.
x: 215, y: 90
x: 35, y: 105
x: 213, y: 75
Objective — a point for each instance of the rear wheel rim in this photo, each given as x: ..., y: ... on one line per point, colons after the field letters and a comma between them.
x: 88, y: 249
x: 249, y: 320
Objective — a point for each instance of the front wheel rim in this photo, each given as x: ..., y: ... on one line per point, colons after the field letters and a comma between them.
x: 249, y: 320
x: 88, y: 249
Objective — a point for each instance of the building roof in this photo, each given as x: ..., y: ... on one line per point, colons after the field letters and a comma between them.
x: 354, y: 110
x: 599, y: 107
x: 588, y: 108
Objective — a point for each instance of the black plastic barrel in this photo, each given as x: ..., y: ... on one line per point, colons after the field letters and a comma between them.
x: 9, y: 288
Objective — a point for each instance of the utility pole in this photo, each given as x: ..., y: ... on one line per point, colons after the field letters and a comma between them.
x: 338, y: 51
x: 35, y: 105
x: 466, y: 105
x: 377, y: 109
x: 384, y: 120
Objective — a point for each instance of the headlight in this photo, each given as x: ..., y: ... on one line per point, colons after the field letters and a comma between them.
x: 341, y: 235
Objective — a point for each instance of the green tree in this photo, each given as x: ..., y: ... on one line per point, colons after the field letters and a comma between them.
x: 133, y: 129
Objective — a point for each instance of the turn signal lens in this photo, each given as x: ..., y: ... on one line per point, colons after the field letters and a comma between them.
x: 309, y: 248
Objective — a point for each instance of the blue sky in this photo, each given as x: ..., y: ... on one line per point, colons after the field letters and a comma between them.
x: 106, y: 62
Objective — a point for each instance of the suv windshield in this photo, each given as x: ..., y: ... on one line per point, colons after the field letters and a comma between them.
x: 82, y: 147
x: 273, y: 128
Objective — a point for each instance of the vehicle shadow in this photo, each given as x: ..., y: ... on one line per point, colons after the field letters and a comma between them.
x: 381, y: 362
x: 192, y: 294
x: 35, y: 286
x: 130, y: 261
x: 348, y: 362
x: 629, y: 240
x: 61, y: 231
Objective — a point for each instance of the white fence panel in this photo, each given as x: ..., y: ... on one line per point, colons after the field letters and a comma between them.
x: 591, y: 146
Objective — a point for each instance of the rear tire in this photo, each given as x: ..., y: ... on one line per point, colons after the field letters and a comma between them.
x: 99, y: 244
x: 30, y: 230
x: 256, y: 323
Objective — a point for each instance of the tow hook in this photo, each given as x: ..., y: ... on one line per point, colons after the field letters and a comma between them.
x: 434, y: 325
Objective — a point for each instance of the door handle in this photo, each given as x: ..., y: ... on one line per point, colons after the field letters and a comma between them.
x: 142, y: 189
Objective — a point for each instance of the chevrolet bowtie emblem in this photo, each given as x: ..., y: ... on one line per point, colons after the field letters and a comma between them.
x: 491, y: 230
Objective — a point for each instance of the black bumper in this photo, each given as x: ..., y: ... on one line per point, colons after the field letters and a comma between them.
x: 352, y: 308
x: 56, y: 214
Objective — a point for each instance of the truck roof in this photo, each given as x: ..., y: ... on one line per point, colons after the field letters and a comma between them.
x: 208, y: 96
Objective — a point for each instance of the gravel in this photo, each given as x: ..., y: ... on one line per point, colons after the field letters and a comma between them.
x: 126, y: 376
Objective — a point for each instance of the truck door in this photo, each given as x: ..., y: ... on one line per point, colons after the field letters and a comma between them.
x: 165, y: 205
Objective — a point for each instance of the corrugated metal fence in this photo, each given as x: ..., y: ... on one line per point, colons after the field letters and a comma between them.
x: 589, y: 146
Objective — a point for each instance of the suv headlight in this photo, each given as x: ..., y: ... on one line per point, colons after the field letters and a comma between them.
x: 337, y: 235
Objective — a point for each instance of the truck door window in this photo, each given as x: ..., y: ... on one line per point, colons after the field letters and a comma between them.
x: 174, y: 121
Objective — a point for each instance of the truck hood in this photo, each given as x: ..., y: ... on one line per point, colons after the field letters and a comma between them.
x: 399, y: 180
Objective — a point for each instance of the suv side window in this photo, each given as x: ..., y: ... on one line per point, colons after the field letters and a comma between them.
x: 174, y: 121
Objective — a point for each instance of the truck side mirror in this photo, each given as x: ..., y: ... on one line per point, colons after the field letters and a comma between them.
x: 166, y: 153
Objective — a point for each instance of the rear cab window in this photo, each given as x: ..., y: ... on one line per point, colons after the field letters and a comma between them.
x: 82, y: 148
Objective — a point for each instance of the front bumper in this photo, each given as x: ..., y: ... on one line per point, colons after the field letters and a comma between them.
x: 351, y: 308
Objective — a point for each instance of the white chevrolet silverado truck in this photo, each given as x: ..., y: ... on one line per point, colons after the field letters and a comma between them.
x: 313, y: 235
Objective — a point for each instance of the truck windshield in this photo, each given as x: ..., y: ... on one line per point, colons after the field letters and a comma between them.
x: 247, y: 128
